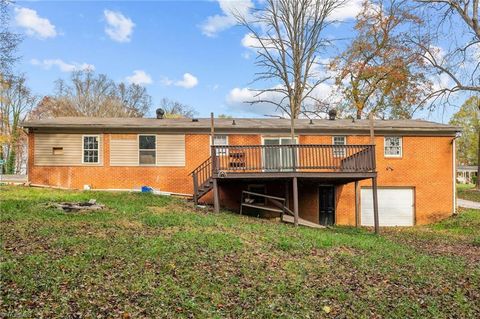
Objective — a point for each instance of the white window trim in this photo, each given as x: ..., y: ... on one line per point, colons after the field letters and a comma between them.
x: 211, y: 144
x: 278, y: 138
x: 83, y: 149
x: 401, y: 147
x: 139, y: 149
x: 343, y: 151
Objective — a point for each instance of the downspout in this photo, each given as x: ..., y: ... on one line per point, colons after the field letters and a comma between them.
x: 454, y: 174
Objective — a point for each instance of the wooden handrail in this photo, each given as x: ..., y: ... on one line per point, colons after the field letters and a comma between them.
x: 199, y: 167
x: 293, y: 157
x: 263, y: 195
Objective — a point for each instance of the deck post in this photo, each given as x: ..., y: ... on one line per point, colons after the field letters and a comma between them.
x: 295, y: 201
x: 357, y: 204
x: 287, y: 194
x: 195, y: 189
x: 375, y: 205
x: 372, y: 128
x: 216, y: 200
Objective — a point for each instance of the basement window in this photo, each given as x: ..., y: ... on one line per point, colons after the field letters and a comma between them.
x: 90, y: 148
x: 57, y: 150
x: 147, y: 149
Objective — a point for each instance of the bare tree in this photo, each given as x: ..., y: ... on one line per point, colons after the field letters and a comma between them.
x: 288, y: 38
x: 459, y: 61
x: 9, y: 41
x: 174, y: 109
x: 17, y: 100
x: 94, y: 95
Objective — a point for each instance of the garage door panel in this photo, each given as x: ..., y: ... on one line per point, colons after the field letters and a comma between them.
x: 395, y: 207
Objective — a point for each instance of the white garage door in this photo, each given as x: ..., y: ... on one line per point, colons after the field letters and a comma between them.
x: 395, y: 207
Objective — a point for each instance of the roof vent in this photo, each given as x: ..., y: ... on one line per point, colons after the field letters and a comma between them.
x: 234, y: 123
x: 332, y: 114
x: 311, y: 122
x: 194, y: 120
x: 160, y: 113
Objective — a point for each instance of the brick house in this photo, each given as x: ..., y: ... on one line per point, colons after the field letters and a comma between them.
x: 325, y: 176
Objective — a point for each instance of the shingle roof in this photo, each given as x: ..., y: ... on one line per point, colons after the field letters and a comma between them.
x: 241, y: 124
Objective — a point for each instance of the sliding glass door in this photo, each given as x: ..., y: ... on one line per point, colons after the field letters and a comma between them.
x: 276, y: 157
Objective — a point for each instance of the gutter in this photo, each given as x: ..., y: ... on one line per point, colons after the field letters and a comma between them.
x: 254, y: 131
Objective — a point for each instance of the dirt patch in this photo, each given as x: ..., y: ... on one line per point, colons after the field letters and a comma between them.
x: 451, y: 246
x: 177, y: 207
x: 128, y: 224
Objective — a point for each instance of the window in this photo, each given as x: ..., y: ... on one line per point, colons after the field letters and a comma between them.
x: 220, y: 140
x: 57, y: 150
x: 147, y: 149
x: 279, y: 158
x: 90, y: 149
x: 339, y: 151
x: 393, y: 146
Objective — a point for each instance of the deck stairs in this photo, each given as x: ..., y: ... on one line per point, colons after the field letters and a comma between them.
x: 202, y: 179
x: 203, y: 184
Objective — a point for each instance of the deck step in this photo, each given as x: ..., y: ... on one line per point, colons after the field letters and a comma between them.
x: 301, y: 221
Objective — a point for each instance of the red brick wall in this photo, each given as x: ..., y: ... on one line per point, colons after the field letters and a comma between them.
x: 426, y: 165
x: 170, y: 179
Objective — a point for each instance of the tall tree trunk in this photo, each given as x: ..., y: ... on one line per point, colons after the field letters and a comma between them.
x: 292, y: 129
x: 11, y: 161
x: 359, y: 114
x: 478, y: 163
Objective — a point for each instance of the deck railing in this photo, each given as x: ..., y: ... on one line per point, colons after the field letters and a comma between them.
x: 293, y: 158
x: 203, y: 172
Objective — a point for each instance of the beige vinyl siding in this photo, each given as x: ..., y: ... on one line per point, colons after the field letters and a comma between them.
x: 124, y: 150
x: 170, y: 150
x: 72, y: 150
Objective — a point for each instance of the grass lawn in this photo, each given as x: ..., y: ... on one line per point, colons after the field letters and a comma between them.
x: 468, y: 191
x: 152, y: 256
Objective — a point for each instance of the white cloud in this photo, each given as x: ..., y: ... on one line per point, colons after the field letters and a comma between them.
x: 63, y: 66
x: 139, y: 77
x: 249, y: 41
x: 217, y: 23
x: 349, y: 10
x: 119, y: 27
x: 239, y: 98
x: 188, y: 81
x: 441, y: 81
x: 33, y: 24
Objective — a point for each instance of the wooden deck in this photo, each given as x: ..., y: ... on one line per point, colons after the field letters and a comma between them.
x: 287, y: 160
x: 338, y: 163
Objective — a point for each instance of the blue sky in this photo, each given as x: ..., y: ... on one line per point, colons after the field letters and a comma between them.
x: 188, y: 51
